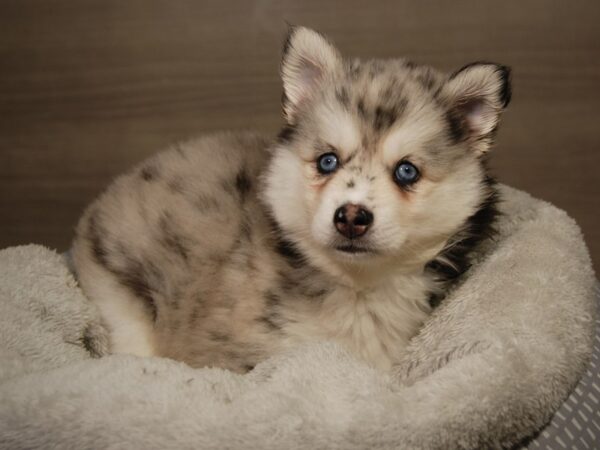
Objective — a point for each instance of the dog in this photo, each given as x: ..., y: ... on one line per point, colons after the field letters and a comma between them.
x: 349, y: 226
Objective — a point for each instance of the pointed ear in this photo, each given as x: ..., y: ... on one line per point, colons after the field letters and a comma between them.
x: 475, y: 97
x: 308, y: 59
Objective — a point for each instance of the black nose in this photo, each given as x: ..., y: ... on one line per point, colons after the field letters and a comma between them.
x: 352, y: 220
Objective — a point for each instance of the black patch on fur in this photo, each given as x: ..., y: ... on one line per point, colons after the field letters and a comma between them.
x: 286, y: 282
x: 391, y: 90
x: 284, y: 102
x: 360, y: 107
x: 456, y: 126
x: 285, y: 247
x: 243, y: 184
x: 271, y: 318
x: 170, y: 239
x: 271, y: 299
x: 468, y: 66
x: 341, y: 94
x: 149, y: 173
x: 384, y: 118
x: 287, y: 134
x: 477, y: 228
x: 290, y: 252
x: 506, y: 90
x: 134, y: 277
x: 287, y: 43
x: 305, y: 282
x: 350, y: 157
x: 87, y: 341
x: 426, y: 79
x: 350, y: 184
x: 131, y: 276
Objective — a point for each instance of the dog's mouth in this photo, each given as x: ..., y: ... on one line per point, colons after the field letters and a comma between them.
x: 354, y: 249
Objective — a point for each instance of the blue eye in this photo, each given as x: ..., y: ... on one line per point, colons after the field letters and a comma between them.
x: 406, y: 174
x: 327, y: 163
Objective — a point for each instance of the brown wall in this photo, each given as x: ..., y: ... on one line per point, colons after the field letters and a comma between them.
x: 89, y: 87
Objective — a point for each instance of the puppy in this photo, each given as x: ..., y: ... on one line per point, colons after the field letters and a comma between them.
x: 348, y: 227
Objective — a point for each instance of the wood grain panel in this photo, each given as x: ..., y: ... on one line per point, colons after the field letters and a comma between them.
x: 87, y: 88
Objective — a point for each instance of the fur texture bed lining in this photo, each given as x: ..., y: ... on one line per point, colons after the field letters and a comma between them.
x: 488, y: 369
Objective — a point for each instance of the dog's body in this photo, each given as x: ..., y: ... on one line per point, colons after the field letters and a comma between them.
x: 228, y: 249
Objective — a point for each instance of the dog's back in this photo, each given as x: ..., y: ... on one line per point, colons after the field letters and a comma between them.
x: 169, y: 254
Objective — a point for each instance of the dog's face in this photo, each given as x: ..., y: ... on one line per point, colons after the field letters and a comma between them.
x: 380, y: 159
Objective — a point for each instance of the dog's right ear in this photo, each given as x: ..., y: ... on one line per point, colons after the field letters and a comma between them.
x: 308, y: 59
x: 475, y: 97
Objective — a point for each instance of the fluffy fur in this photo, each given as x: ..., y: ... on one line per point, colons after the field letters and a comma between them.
x: 223, y: 251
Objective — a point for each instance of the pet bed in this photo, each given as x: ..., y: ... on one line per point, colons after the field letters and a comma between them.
x: 490, y: 368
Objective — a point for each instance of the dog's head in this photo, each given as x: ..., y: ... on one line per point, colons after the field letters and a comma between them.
x: 383, y: 159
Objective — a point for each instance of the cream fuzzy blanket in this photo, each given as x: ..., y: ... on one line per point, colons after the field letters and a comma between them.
x: 489, y: 368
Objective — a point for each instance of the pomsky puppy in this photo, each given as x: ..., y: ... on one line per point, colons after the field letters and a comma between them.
x: 348, y: 227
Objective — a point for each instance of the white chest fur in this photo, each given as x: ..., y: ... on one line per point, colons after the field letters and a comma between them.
x: 375, y: 323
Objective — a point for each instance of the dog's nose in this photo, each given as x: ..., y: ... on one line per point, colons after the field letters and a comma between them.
x: 352, y: 220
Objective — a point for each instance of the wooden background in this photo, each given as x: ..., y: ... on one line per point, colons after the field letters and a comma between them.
x: 87, y: 88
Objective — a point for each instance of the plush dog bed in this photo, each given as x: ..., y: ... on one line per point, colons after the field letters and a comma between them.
x: 490, y: 368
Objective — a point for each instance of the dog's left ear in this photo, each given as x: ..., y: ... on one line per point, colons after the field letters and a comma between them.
x: 308, y: 60
x: 475, y: 96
